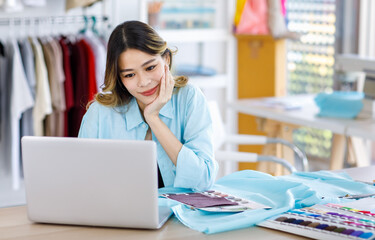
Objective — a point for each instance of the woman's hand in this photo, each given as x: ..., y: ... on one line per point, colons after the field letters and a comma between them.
x: 165, y: 94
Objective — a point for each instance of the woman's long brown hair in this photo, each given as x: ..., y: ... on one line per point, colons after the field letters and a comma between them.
x: 130, y: 35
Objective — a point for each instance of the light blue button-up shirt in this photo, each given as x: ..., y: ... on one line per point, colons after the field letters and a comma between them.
x: 186, y: 115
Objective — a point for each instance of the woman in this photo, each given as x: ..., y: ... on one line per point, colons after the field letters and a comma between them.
x: 142, y: 101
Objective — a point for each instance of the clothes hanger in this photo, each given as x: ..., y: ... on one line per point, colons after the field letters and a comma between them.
x: 86, y: 25
x: 93, y: 27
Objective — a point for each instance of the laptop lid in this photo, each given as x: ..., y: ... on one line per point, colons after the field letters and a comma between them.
x: 91, y: 181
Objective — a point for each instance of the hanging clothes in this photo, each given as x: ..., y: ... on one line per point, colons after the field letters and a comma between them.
x: 79, y: 66
x: 3, y: 70
x: 92, y: 88
x: 60, y: 72
x: 27, y: 56
x: 54, y: 124
x: 100, y: 53
x: 43, y: 102
x: 4, y: 109
x: 45, y: 85
x: 21, y: 99
x: 68, y: 84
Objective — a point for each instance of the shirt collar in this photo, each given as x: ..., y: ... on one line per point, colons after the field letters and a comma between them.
x: 167, y: 110
x: 134, y: 117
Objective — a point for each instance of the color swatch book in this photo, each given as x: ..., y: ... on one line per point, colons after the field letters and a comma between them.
x: 215, y: 201
x: 354, y: 220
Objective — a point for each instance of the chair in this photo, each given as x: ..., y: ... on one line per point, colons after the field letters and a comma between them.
x: 221, y: 138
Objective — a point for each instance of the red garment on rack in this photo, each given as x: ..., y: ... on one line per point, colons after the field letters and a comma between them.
x: 68, y: 84
x: 79, y: 67
x: 92, y: 88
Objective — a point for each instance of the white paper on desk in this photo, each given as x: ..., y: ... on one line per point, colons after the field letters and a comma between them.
x: 365, y: 204
x: 285, y: 103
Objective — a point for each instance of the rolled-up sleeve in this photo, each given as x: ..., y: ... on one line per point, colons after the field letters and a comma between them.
x: 196, y: 167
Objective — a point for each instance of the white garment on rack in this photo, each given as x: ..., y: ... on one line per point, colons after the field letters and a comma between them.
x: 20, y: 100
x: 27, y: 122
x: 100, y: 53
x: 43, y: 102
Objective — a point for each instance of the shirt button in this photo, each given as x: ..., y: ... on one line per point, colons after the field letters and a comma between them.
x: 144, y: 125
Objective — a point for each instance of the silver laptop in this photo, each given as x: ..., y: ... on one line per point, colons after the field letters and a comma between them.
x: 96, y: 182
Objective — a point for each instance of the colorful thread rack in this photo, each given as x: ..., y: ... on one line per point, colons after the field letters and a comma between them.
x: 330, y: 221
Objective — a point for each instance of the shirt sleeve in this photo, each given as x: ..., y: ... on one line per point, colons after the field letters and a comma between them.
x: 196, y: 167
x: 90, y: 123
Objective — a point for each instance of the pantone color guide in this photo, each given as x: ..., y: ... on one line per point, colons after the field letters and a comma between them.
x: 330, y: 221
x: 215, y: 201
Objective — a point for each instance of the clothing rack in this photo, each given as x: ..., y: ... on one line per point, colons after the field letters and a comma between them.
x: 42, y: 25
x: 42, y: 30
x: 18, y: 21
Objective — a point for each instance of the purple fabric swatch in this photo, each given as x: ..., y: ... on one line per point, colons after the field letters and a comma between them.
x: 200, y: 200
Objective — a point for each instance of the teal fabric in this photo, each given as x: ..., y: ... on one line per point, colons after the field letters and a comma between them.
x: 186, y: 115
x: 283, y: 193
x: 339, y: 104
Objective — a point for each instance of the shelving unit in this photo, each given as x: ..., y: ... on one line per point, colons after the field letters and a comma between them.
x: 224, y: 82
x: 195, y: 35
x: 217, y: 81
x: 201, y: 36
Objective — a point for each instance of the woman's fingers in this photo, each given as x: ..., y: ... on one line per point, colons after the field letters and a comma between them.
x: 162, y: 84
x: 169, y: 80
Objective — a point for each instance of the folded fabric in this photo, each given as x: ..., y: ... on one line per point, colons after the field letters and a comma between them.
x: 281, y: 193
x: 339, y: 104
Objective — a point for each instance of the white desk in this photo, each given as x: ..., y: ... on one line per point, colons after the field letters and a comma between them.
x: 15, y: 225
x: 362, y: 129
x: 306, y: 116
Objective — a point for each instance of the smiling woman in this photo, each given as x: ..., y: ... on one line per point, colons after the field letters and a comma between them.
x: 131, y: 35
x: 141, y: 100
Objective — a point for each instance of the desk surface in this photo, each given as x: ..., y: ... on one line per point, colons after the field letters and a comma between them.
x: 305, y: 115
x: 363, y: 129
x: 15, y: 225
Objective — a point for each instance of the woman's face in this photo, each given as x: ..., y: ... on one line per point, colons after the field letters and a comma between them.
x: 141, y: 74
